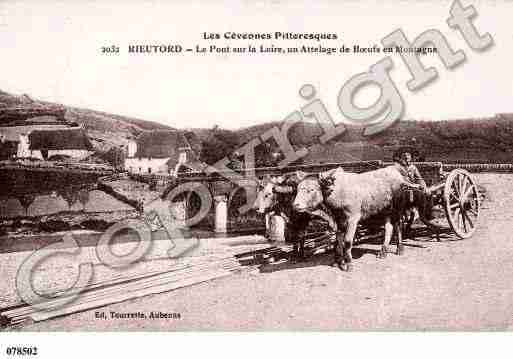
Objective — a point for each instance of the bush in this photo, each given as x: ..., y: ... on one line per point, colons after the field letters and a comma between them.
x: 218, y: 145
x: 95, y: 224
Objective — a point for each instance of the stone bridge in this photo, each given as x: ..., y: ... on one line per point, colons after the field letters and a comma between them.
x: 229, y: 191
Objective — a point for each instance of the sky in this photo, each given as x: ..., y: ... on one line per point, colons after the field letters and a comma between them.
x: 51, y: 50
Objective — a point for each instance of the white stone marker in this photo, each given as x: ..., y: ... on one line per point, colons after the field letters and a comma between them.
x: 277, y: 228
x: 221, y: 214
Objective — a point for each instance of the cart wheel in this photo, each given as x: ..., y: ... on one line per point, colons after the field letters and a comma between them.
x: 461, y: 201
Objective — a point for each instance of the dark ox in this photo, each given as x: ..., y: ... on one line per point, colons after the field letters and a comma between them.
x: 351, y: 198
x: 275, y: 197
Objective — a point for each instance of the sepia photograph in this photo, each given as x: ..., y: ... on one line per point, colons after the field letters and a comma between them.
x: 255, y: 166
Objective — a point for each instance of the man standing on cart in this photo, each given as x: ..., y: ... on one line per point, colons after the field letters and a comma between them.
x: 418, y: 192
x: 402, y: 161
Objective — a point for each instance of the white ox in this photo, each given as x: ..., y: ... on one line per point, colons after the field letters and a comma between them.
x: 353, y: 197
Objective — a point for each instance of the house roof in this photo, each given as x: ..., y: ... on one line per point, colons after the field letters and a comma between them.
x: 13, y: 133
x: 65, y: 139
x: 164, y: 144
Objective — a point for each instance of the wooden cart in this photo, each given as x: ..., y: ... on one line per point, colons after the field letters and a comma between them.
x: 454, y: 205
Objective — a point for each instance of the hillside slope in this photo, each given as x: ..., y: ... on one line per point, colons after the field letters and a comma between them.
x: 105, y: 129
x: 487, y: 139
x: 463, y: 140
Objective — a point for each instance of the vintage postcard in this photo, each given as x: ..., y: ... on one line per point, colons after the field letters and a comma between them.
x: 249, y: 166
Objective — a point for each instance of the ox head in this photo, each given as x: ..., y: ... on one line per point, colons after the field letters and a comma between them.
x: 312, y: 188
x: 309, y: 195
x: 269, y: 191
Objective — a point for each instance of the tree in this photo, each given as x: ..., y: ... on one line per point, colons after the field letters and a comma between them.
x: 219, y: 144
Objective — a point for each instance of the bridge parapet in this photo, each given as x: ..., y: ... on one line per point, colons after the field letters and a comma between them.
x: 230, y: 190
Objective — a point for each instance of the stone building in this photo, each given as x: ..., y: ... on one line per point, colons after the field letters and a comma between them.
x: 45, y: 144
x: 160, y: 152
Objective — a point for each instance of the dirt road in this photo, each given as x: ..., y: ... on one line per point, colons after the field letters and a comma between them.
x: 447, y: 285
